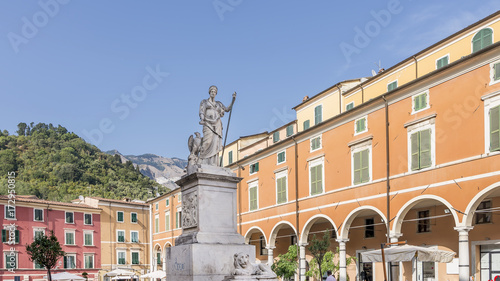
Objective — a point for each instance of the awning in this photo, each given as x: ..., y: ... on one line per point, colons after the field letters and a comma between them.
x: 155, y: 274
x: 407, y: 253
x: 65, y: 276
x: 119, y: 272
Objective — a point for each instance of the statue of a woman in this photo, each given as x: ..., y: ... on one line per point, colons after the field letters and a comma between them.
x: 211, y: 112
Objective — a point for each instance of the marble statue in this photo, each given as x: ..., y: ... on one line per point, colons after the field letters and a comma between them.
x: 243, y: 266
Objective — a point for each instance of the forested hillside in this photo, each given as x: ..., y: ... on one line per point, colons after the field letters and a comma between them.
x: 55, y: 164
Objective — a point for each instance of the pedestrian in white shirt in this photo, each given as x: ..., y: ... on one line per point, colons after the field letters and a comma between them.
x: 330, y: 276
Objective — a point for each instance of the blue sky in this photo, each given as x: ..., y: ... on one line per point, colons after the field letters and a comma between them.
x: 129, y: 75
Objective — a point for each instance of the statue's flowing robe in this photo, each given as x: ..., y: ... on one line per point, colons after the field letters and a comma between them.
x: 211, y: 143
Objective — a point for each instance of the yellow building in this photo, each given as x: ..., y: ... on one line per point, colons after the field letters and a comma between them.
x: 125, y: 236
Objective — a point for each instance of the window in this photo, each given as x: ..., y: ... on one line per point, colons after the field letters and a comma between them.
x: 167, y: 202
x: 424, y: 224
x: 179, y: 197
x: 421, y: 150
x: 88, y: 237
x: 306, y: 125
x: 369, y: 228
x: 133, y: 217
x: 494, y: 73
x: 134, y: 236
x: 483, y: 212
x: 281, y: 187
x: 360, y: 125
x: 87, y: 219
x: 444, y: 61
x: 281, y: 157
x: 135, y: 257
x: 482, y: 39
x: 69, y: 237
x: 349, y: 106
x: 10, y: 212
x: 167, y: 221
x: 254, y: 168
x: 157, y: 224
x: 119, y: 215
x: 178, y: 218
x: 276, y: 136
x: 38, y: 232
x: 230, y: 157
x: 10, y: 260
x: 361, y: 166
x: 158, y: 258
x: 253, y: 195
x: 391, y: 86
x: 318, y: 114
x: 121, y: 257
x: 289, y: 130
x: 156, y: 206
x: 316, y: 176
x: 315, y: 143
x: 70, y: 261
x: 37, y: 266
x: 38, y: 215
x: 89, y: 261
x: 120, y: 235
x: 7, y: 236
x: 70, y: 217
x: 263, y: 250
x: 420, y: 101
x: 494, y: 114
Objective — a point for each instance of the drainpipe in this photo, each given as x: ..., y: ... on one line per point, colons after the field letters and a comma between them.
x: 151, y: 237
x: 239, y: 198
x: 388, y: 219
x: 340, y: 98
x: 297, y: 198
x: 416, y: 67
x: 111, y: 236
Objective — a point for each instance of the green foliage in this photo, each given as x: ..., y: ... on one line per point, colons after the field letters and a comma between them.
x: 318, y: 249
x: 330, y: 262
x: 45, y: 251
x: 286, y: 264
x: 55, y: 164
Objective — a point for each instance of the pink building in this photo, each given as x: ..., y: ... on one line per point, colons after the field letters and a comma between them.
x: 76, y: 226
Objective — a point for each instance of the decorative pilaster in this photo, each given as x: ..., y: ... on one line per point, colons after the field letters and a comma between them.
x: 463, y: 252
x: 302, y: 261
x: 395, y: 266
x: 270, y: 255
x: 342, y: 259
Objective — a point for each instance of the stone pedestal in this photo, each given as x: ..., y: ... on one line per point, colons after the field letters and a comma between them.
x: 205, y: 250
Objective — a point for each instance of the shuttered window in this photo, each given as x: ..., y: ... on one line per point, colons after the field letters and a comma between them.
x: 253, y: 198
x: 158, y: 258
x: 315, y: 143
x: 281, y: 157
x: 133, y: 217
x: 495, y: 128
x: 360, y: 125
x: 6, y: 234
x: 306, y: 125
x: 121, y: 236
x: 391, y: 86
x: 289, y: 130
x: 318, y: 114
x: 496, y: 71
x: 316, y: 174
x: 421, y: 150
x: 120, y: 216
x: 88, y: 239
x: 281, y: 190
x: 442, y: 62
x: 135, y: 258
x: 420, y: 102
x: 276, y: 136
x: 349, y: 106
x: 254, y: 168
x: 361, y: 166
x: 167, y: 221
x: 230, y: 157
x: 482, y: 39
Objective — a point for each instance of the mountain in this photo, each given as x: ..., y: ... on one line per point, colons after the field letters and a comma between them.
x: 54, y: 164
x: 163, y: 170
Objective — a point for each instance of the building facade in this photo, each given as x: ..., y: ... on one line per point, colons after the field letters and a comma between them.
x: 77, y: 228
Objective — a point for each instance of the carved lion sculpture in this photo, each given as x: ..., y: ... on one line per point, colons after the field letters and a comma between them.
x: 242, y: 266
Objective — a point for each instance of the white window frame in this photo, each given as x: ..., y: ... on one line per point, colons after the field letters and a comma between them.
x: 251, y: 185
x: 131, y: 236
x: 358, y: 148
x: 91, y: 219
x: 65, y: 238
x: 178, y: 218
x: 91, y: 232
x: 93, y: 261
x: 320, y: 143
x: 426, y: 92
x: 492, y: 73
x: 490, y: 101
x: 390, y: 82
x: 74, y: 259
x: 139, y: 256
x: 420, y: 126
x: 118, y: 256
x: 136, y: 215
x: 156, y: 206
x: 117, y: 235
x: 65, y: 213
x: 277, y: 160
x: 345, y: 109
x: 117, y: 212
x: 167, y: 202
x: 314, y: 163
x: 5, y: 212
x: 249, y: 169
x: 34, y: 214
x: 42, y: 229
x: 366, y: 125
x: 279, y: 175
x: 447, y: 55
x: 167, y: 226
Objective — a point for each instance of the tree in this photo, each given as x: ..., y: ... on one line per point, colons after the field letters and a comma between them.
x: 45, y: 251
x: 286, y: 264
x: 318, y: 250
x: 21, y: 129
x: 330, y: 262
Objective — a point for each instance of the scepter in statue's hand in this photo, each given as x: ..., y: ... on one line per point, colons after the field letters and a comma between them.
x: 230, y: 107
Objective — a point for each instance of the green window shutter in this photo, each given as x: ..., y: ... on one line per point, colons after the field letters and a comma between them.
x: 133, y: 217
x: 167, y: 222
x: 357, y: 167
x: 482, y: 39
x: 120, y: 216
x: 281, y: 157
x: 316, y: 179
x: 392, y: 86
x: 257, y: 166
x: 281, y: 186
x: 289, y: 130
x: 349, y: 106
x: 442, y: 62
x: 135, y: 258
x: 17, y: 236
x: 313, y: 179
x: 495, y: 128
x: 365, y: 166
x: 416, y: 101
x: 420, y: 102
x: 157, y: 223
x: 276, y: 136
x: 496, y: 72
x: 415, y: 148
x: 306, y: 125
x: 318, y: 114
x: 158, y: 258
x: 360, y: 125
x: 425, y: 149
x: 253, y: 198
x: 230, y: 157
x: 4, y: 235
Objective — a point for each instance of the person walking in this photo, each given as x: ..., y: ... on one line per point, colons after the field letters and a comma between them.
x: 330, y: 276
